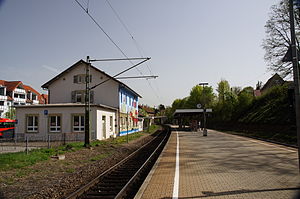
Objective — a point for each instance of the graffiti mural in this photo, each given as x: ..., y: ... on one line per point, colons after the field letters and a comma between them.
x: 128, y: 111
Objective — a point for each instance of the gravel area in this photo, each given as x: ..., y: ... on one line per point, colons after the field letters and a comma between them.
x: 58, y: 178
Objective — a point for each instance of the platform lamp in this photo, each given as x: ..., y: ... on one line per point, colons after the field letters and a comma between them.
x: 204, y: 109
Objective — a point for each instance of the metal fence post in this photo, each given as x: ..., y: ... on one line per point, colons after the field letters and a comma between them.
x: 26, y: 148
x: 64, y: 138
x: 15, y: 141
x: 48, y: 141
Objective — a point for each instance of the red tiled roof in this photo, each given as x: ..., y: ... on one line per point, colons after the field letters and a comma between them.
x: 41, y: 99
x: 2, y: 82
x: 12, y: 85
x: 29, y: 88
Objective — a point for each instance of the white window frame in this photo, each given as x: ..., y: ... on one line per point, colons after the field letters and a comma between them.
x: 79, y: 127
x: 35, y: 124
x: 111, y: 123
x: 55, y: 128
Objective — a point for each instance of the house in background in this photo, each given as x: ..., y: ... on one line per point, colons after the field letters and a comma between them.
x: 15, y: 93
x: 275, y: 80
x: 114, y: 106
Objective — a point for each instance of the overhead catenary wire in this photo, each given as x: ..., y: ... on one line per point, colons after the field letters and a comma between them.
x: 86, y: 10
x: 100, y: 27
x: 138, y: 47
x: 129, y: 32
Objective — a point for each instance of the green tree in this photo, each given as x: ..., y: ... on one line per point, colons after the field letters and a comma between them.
x: 200, y: 95
x: 245, y: 99
x: 11, y: 113
x: 223, y: 88
x: 179, y: 104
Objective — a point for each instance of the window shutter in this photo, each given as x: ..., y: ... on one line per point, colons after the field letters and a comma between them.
x: 73, y: 96
x: 82, y: 96
x: 91, y: 97
x: 75, y: 79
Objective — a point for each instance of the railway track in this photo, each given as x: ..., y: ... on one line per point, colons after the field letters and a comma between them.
x: 124, y: 179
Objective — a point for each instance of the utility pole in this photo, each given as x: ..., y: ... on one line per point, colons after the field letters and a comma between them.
x: 87, y: 104
x: 87, y: 124
x: 296, y: 73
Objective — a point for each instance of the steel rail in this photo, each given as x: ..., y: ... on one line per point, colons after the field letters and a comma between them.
x: 131, y: 181
x: 96, y: 180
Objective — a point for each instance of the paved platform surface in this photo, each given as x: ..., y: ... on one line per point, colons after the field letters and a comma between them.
x: 223, y: 166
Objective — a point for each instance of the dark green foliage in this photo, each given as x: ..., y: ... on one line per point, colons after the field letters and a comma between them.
x: 271, y: 108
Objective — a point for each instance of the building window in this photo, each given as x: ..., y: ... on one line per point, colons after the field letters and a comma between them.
x: 80, y: 79
x: 1, y: 103
x: 32, y: 124
x: 78, y: 123
x: 79, y: 96
x: 111, y: 123
x: 54, y: 123
x: 34, y: 96
x: 16, y: 95
x: 2, y: 91
x: 28, y: 95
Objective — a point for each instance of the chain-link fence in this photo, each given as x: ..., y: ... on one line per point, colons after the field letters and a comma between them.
x: 27, y: 142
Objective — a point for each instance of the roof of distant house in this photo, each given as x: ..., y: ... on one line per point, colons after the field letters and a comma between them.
x: 46, y: 85
x: 274, y: 80
x: 12, y: 85
x: 30, y: 89
x: 257, y: 93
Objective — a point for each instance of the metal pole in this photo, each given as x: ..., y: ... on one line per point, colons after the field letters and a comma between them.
x: 26, y: 147
x: 87, y: 105
x: 48, y: 141
x: 127, y: 127
x: 296, y: 74
x: 204, y: 111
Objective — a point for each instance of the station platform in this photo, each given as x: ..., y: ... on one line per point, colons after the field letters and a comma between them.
x: 222, y: 166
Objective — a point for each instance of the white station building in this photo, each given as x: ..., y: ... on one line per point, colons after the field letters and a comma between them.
x: 114, y: 107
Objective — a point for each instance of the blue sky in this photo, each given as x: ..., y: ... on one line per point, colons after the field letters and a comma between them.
x: 189, y: 41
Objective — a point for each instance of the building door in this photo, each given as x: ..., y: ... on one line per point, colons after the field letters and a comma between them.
x: 104, y: 126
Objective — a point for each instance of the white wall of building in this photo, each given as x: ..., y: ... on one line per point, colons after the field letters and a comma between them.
x: 66, y: 113
x: 110, y: 130
x: 107, y: 93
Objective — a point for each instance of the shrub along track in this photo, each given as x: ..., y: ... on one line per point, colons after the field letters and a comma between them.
x: 57, y: 179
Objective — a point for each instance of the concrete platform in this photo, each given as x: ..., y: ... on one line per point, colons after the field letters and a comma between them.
x: 222, y: 166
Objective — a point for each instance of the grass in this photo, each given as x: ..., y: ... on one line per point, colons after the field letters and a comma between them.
x: 153, y: 128
x: 21, y: 160
x: 100, y: 157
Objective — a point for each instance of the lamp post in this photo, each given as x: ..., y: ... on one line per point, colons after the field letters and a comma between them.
x: 295, y: 69
x: 204, y: 109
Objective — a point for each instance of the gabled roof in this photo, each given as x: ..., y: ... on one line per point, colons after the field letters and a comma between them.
x: 30, y: 89
x: 2, y: 82
x: 12, y: 85
x: 273, y: 81
x: 47, y: 84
